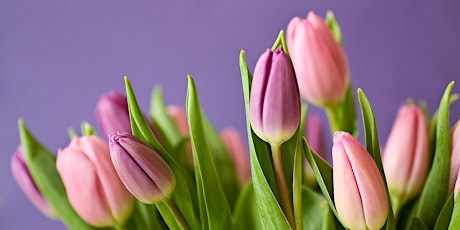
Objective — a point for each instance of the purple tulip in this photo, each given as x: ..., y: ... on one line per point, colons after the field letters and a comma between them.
x: 455, y: 160
x: 24, y: 179
x: 319, y: 61
x: 239, y: 153
x: 359, y: 192
x: 274, y: 107
x: 144, y: 173
x: 93, y: 187
x: 112, y: 113
x: 406, y: 156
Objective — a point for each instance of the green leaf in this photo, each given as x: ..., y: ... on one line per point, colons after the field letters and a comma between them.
x: 42, y: 166
x: 214, y: 208
x: 417, y: 224
x: 455, y: 219
x: 316, y: 214
x: 87, y: 129
x: 435, y: 190
x: 271, y: 215
x: 373, y: 147
x: 323, y: 173
x: 446, y: 213
x: 281, y: 41
x: 246, y: 214
x: 298, y: 172
x: 334, y: 26
x: 347, y: 113
x: 183, y: 194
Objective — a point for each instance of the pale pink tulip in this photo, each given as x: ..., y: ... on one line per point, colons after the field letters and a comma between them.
x: 93, y: 187
x: 274, y: 106
x: 406, y: 156
x: 24, y: 179
x: 232, y: 140
x: 359, y: 192
x: 455, y: 160
x: 319, y: 61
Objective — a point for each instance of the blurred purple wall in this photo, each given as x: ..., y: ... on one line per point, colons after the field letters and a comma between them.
x: 57, y: 57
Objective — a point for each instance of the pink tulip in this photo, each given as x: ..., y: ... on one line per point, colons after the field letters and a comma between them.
x: 406, y: 156
x: 232, y: 140
x: 142, y: 170
x: 112, y: 113
x: 24, y: 179
x: 274, y: 107
x: 319, y: 61
x: 94, y: 189
x: 359, y: 192
x: 314, y: 133
x: 179, y: 117
x: 455, y: 160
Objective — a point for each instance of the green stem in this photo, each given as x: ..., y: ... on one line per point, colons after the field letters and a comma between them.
x: 177, y: 214
x: 334, y: 121
x: 282, y: 185
x: 297, y: 186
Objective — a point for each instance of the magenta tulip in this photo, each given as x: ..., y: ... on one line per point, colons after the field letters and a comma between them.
x: 455, y: 160
x: 112, y: 113
x: 93, y: 187
x: 142, y: 170
x: 319, y: 61
x: 406, y: 157
x: 359, y: 192
x: 24, y: 179
x: 274, y: 107
x: 239, y: 153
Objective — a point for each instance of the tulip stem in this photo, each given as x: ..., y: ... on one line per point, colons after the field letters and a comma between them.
x: 282, y: 185
x: 177, y: 214
x: 334, y: 121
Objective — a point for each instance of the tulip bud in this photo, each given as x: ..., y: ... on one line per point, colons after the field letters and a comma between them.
x: 93, y: 187
x: 319, y: 61
x: 144, y: 173
x: 179, y: 117
x: 232, y: 140
x: 314, y: 134
x: 406, y: 156
x: 274, y: 107
x: 112, y: 113
x: 455, y: 160
x: 359, y: 192
x: 24, y: 179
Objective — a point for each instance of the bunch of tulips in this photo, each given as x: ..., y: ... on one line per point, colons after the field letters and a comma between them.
x: 171, y: 169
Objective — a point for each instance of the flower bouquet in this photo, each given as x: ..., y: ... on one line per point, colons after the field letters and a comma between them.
x: 171, y: 169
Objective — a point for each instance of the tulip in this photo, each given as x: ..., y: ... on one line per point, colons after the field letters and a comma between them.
x: 319, y: 61
x: 359, y: 192
x: 93, y: 187
x: 232, y: 140
x: 112, y: 113
x: 314, y: 134
x: 24, y: 179
x: 406, y: 156
x: 144, y: 173
x: 455, y: 160
x: 179, y: 117
x: 274, y: 107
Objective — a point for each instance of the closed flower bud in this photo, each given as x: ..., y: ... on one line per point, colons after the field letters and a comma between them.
x: 319, y: 61
x: 455, y: 160
x: 406, y: 156
x: 232, y: 140
x: 112, y: 113
x: 24, y: 179
x: 314, y: 133
x: 93, y: 187
x: 274, y: 107
x: 142, y: 170
x: 359, y: 192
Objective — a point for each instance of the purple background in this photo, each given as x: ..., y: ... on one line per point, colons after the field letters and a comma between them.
x: 58, y: 57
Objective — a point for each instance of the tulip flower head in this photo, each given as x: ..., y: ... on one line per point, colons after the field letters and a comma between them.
x: 359, y: 192
x: 455, y: 160
x: 93, y: 187
x: 112, y: 113
x: 232, y: 140
x: 24, y: 179
x: 319, y: 61
x: 274, y: 101
x: 142, y: 170
x: 406, y: 156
